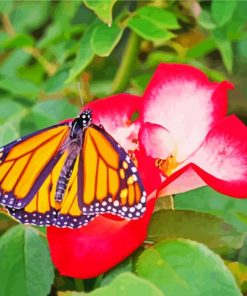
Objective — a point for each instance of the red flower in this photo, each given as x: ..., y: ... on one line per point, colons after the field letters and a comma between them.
x: 95, y: 248
x: 184, y: 124
x: 181, y: 140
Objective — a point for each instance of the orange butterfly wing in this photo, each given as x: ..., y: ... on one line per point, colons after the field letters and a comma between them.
x: 103, y: 180
x: 43, y: 210
x: 108, y: 179
x: 25, y: 163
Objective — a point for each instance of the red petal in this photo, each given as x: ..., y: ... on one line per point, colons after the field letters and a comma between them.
x: 150, y: 175
x: 183, y: 100
x: 115, y: 114
x: 97, y: 247
x: 221, y: 161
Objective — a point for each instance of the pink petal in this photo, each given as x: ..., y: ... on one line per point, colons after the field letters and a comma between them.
x: 156, y: 141
x: 115, y: 114
x: 184, y: 180
x: 221, y: 162
x: 223, y: 154
x: 183, y: 100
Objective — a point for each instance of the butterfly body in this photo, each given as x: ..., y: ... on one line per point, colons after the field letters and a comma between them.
x: 74, y: 146
x: 67, y: 174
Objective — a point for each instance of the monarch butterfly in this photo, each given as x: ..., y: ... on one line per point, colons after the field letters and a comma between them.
x: 67, y: 174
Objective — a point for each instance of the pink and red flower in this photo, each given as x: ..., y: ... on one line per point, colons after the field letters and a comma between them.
x: 181, y: 140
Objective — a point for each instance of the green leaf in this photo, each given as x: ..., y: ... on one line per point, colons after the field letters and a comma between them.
x: 65, y: 12
x: 222, y: 11
x: 162, y: 18
x: 236, y: 26
x: 207, y: 200
x: 19, y: 87
x: 149, y: 30
x: 6, y: 222
x: 34, y: 73
x: 18, y: 41
x: 105, y: 38
x: 206, y: 21
x: 212, y: 74
x: 10, y: 118
x: 202, y: 48
x: 10, y: 66
x: 64, y: 49
x: 204, y: 228
x: 125, y: 266
x: 8, y: 132
x: 101, y: 88
x: 6, y: 6
x: 11, y: 110
x: 126, y: 284
x: 51, y: 112
x: 25, y: 265
x: 157, y: 57
x: 57, y: 81
x: 85, y: 53
x: 140, y: 82
x: 26, y: 17
x: 103, y: 9
x: 225, y: 48
x: 242, y: 253
x: 52, y: 33
x: 184, y: 267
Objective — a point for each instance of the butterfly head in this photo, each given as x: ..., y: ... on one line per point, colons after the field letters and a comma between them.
x: 86, y: 117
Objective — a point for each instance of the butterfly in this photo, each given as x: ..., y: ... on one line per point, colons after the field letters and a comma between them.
x: 67, y: 174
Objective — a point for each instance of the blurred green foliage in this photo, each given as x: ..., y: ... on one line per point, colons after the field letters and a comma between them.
x: 46, y: 47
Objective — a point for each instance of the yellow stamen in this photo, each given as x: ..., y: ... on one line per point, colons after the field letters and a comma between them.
x: 168, y: 165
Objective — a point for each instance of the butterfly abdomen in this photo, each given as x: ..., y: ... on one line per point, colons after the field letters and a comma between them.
x: 63, y: 181
x: 66, y: 171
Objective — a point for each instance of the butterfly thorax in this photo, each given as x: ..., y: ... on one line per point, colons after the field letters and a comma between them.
x: 79, y: 124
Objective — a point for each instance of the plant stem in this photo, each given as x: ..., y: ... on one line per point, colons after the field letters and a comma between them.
x: 79, y: 285
x: 50, y: 68
x: 164, y: 203
x: 127, y: 64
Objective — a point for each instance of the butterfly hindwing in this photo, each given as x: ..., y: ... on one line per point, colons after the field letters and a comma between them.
x: 43, y: 210
x: 108, y: 179
x: 70, y: 214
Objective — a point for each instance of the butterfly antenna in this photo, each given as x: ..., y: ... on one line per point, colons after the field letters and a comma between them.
x: 80, y: 94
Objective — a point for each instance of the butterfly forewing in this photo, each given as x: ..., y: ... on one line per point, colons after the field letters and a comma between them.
x: 26, y: 163
x: 108, y: 179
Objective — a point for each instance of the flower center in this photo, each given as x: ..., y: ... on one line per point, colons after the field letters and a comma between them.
x: 167, y: 166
